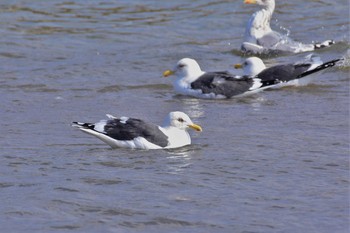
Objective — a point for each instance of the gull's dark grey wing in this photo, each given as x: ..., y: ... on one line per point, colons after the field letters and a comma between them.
x: 222, y: 83
x: 321, y: 67
x: 288, y: 72
x: 283, y: 73
x: 130, y: 128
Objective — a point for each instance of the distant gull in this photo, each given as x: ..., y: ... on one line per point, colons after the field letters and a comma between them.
x: 191, y: 80
x: 260, y: 38
x: 134, y: 133
x: 285, y: 74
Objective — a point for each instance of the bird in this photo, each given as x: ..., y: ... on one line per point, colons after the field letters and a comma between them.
x: 285, y: 74
x: 261, y: 39
x: 126, y: 132
x: 191, y: 80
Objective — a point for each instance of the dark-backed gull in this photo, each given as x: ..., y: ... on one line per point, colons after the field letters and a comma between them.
x: 286, y: 74
x: 134, y: 133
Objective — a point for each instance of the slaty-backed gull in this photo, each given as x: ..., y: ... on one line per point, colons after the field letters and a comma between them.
x: 286, y: 74
x: 134, y: 133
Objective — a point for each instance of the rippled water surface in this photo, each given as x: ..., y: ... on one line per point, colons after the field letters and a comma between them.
x: 274, y: 162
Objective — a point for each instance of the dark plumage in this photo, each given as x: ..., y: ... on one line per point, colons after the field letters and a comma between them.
x: 283, y: 72
x: 222, y: 83
x: 320, y: 67
x: 133, y: 128
x: 255, y: 67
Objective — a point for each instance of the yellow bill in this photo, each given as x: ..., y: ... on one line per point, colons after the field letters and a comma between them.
x: 196, y: 127
x: 168, y: 73
x: 250, y: 1
x: 238, y: 66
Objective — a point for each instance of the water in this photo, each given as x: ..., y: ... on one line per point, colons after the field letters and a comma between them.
x: 274, y: 162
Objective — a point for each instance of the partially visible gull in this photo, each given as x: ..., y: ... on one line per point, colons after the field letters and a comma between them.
x: 260, y: 38
x: 191, y: 80
x: 285, y: 74
x: 133, y: 133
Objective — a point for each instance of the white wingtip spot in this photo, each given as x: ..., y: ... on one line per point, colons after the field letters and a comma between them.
x: 111, y: 116
x: 123, y: 120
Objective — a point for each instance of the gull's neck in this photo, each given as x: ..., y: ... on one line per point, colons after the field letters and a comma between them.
x: 254, y: 70
x: 265, y: 15
x: 259, y: 23
x: 270, y: 8
x: 176, y: 136
x: 185, y: 81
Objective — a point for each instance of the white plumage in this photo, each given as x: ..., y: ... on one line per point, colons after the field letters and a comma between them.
x: 260, y: 38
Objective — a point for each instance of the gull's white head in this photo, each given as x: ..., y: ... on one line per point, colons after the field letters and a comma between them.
x: 251, y: 66
x: 181, y: 121
x: 186, y: 68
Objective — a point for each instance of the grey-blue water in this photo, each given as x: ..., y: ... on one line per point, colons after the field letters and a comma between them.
x: 277, y: 161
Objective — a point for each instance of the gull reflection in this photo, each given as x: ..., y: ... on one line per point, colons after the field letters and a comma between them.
x: 179, y: 159
x: 193, y: 107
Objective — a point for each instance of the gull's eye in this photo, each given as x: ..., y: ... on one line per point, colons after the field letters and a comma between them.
x: 181, y: 120
x: 180, y: 65
x: 245, y: 63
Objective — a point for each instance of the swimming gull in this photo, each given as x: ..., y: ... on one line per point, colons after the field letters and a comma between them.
x: 191, y: 80
x: 286, y: 74
x: 260, y: 38
x: 134, y: 133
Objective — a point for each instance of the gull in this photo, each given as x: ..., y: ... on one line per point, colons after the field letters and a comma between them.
x: 125, y: 132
